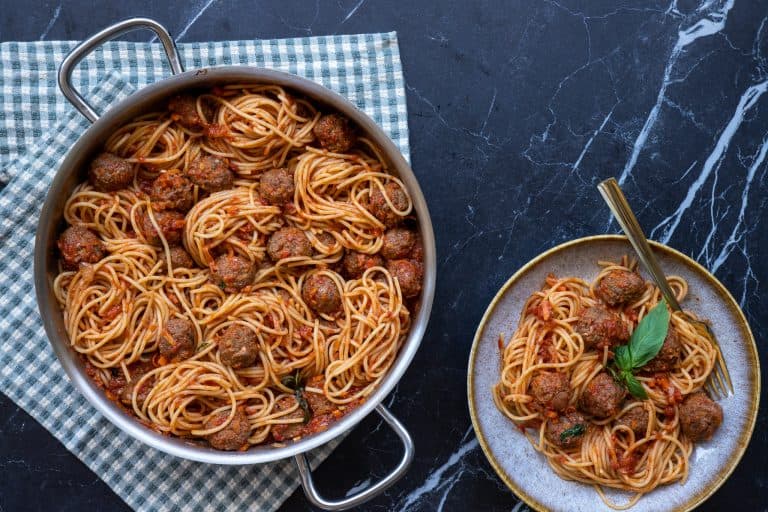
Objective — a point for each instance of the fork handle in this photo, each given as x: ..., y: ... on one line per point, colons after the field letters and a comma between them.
x: 618, y: 204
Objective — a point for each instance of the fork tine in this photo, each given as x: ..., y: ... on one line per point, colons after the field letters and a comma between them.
x: 722, y: 373
x: 714, y: 393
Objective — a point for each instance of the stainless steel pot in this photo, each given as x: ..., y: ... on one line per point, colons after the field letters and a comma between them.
x: 72, y: 171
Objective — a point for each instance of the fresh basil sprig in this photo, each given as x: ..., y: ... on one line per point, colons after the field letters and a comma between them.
x: 645, y: 343
x: 576, y: 430
x: 296, y: 383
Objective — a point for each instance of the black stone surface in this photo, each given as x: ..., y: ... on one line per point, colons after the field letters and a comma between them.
x: 517, y: 109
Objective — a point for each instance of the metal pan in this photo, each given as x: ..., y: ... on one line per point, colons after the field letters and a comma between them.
x: 72, y: 171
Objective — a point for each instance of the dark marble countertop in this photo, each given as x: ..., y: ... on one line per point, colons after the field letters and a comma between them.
x: 517, y: 109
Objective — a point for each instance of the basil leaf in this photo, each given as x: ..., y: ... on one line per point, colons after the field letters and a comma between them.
x: 574, y: 431
x: 623, y: 357
x: 649, y: 335
x: 634, y: 386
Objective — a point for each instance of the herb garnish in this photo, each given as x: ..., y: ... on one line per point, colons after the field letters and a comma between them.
x: 576, y: 430
x: 295, y: 382
x: 645, y: 343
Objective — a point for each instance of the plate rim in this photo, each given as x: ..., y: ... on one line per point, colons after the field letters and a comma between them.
x: 744, y: 438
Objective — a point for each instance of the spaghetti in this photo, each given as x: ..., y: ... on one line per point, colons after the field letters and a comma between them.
x: 243, y: 319
x: 592, y: 436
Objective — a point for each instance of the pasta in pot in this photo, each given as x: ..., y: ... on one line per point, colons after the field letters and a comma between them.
x: 203, y: 278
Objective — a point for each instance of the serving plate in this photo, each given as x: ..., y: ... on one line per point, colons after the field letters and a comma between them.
x: 525, y: 471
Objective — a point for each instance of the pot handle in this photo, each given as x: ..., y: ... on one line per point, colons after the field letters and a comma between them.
x: 109, y: 33
x: 374, y: 490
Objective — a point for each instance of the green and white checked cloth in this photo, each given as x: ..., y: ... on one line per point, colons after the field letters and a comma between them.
x: 37, y: 128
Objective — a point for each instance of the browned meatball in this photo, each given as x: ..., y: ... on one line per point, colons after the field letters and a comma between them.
x: 177, y: 342
x: 285, y: 431
x: 239, y: 347
x: 600, y: 328
x: 276, y: 186
x: 321, y: 294
x: 138, y: 370
x: 620, y: 286
x: 398, y: 243
x: 232, y: 437
x: 356, y: 263
x: 602, y: 396
x: 180, y: 258
x: 572, y: 422
x: 700, y: 417
x: 172, y: 191
x: 232, y: 273
x: 183, y: 109
x: 550, y: 390
x: 171, y: 225
x: 408, y: 274
x: 318, y: 402
x: 636, y: 419
x: 669, y: 354
x: 329, y: 241
x: 78, y: 245
x: 288, y: 243
x: 211, y: 173
x: 379, y: 207
x: 335, y: 133
x: 109, y: 172
x: 417, y: 253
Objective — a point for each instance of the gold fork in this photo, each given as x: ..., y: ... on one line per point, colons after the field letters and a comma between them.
x: 719, y: 382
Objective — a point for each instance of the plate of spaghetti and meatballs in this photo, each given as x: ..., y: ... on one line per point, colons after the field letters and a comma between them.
x: 582, y: 381
x: 239, y: 268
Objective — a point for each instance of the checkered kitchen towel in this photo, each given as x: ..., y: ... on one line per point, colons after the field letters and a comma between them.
x: 37, y: 127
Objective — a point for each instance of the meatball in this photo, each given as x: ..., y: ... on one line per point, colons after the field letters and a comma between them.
x: 379, y: 207
x: 602, y: 396
x: 620, y: 286
x: 318, y: 402
x: 600, y: 328
x: 550, y: 390
x: 79, y: 244
x: 177, y: 342
x: 285, y: 431
x: 276, y: 186
x: 398, y: 243
x: 138, y: 370
x: 211, y: 173
x: 321, y: 294
x: 232, y: 437
x: 109, y: 172
x: 232, y: 273
x: 171, y: 224
x: 180, y: 258
x: 356, y: 263
x: 335, y: 133
x: 408, y: 274
x: 669, y: 354
x: 636, y: 419
x: 417, y: 253
x: 288, y: 243
x: 700, y: 417
x: 329, y: 241
x: 239, y: 346
x: 183, y: 109
x: 570, y: 421
x: 172, y: 191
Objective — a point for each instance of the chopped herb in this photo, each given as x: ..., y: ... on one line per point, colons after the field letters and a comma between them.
x: 203, y: 346
x: 293, y: 381
x: 299, y: 394
x: 576, y: 430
